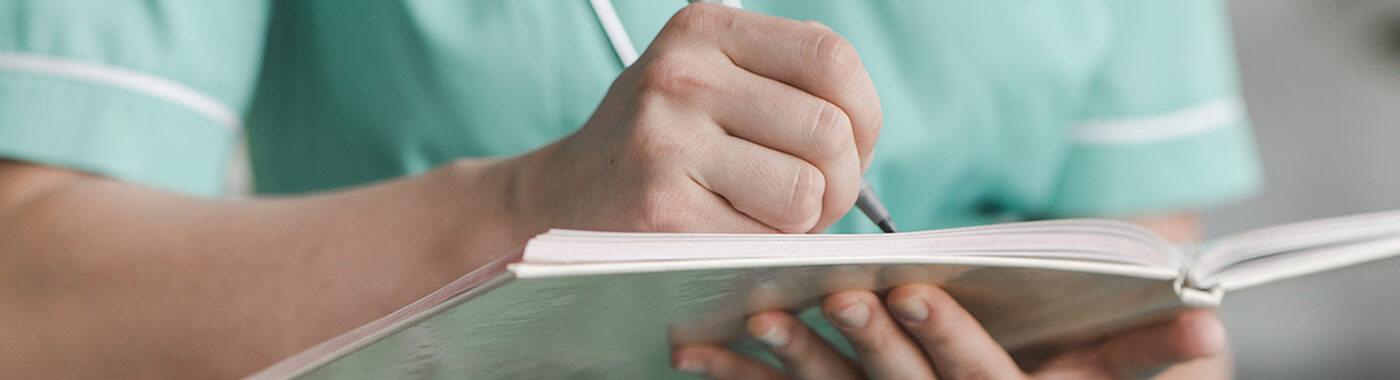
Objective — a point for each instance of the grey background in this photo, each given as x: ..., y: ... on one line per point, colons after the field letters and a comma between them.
x: 1322, y: 84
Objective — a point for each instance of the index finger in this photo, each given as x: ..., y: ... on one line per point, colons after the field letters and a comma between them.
x: 807, y: 56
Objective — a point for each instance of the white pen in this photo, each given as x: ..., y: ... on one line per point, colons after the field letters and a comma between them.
x: 867, y: 202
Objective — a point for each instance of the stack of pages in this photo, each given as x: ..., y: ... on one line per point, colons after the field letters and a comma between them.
x: 611, y: 304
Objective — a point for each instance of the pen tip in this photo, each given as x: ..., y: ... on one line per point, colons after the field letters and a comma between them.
x: 887, y: 226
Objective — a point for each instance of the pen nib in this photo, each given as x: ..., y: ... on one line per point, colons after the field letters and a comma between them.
x: 887, y: 226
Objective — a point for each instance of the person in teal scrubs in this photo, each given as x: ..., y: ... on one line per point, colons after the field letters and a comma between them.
x: 397, y: 145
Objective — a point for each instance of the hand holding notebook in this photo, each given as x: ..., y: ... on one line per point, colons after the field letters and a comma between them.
x: 922, y: 333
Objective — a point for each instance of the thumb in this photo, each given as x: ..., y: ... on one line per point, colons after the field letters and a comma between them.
x: 1193, y: 335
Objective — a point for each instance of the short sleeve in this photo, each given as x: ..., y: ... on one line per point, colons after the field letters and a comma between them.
x: 147, y: 92
x: 1162, y: 126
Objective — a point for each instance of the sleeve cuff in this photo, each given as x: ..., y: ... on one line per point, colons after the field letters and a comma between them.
x: 111, y: 132
x: 1195, y: 171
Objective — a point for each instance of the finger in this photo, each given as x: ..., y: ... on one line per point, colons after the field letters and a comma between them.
x: 1193, y: 335
x: 885, y: 351
x: 719, y: 363
x: 804, y: 354
x: 693, y: 209
x: 789, y: 120
x: 781, y: 191
x: 812, y: 58
x: 959, y: 347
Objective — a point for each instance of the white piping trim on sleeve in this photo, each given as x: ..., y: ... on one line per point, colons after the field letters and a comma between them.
x: 1191, y: 121
x: 127, y: 79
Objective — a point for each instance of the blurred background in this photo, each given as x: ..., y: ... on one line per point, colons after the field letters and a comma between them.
x: 1322, y: 84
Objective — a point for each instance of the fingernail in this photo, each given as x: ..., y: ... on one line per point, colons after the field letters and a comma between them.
x: 694, y: 367
x: 913, y: 309
x: 776, y: 336
x: 853, y: 316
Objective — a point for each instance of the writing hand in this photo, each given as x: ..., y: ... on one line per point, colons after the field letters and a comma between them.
x: 731, y: 121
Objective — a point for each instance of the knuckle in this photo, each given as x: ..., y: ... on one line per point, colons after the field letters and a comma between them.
x: 830, y: 133
x: 672, y: 75
x: 665, y: 208
x: 833, y: 58
x: 695, y: 17
x: 804, y: 203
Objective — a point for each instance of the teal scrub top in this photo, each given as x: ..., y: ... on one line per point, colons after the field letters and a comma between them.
x: 995, y: 110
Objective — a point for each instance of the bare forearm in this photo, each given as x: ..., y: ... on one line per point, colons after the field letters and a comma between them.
x: 103, y: 278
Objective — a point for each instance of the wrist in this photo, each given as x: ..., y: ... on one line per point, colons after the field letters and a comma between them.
x: 486, y: 214
x: 529, y: 193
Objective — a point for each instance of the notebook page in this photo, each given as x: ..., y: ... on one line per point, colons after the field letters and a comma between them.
x: 1085, y: 240
x: 1297, y: 263
x: 1288, y: 238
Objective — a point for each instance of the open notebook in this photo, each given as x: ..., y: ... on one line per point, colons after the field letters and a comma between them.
x: 610, y: 305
